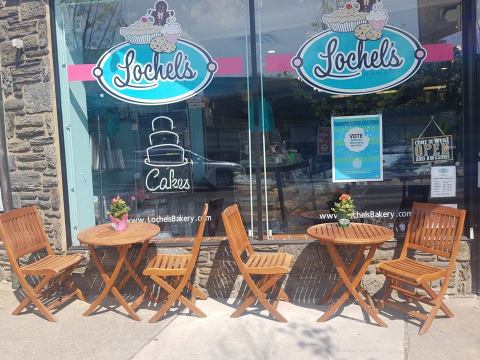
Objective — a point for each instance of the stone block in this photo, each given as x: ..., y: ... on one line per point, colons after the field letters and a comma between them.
x: 32, y: 9
x: 51, y: 156
x: 18, y: 146
x: 38, y: 98
x: 30, y: 42
x: 22, y: 29
x: 14, y: 105
x: 28, y: 121
x: 37, y: 52
x: 55, y: 199
x: 24, y: 166
x: 30, y: 132
x: 30, y: 157
x: 8, y: 12
x: 39, y: 165
x: 28, y: 196
x: 464, y: 252
x: 28, y: 73
x: 49, y: 182
x: 42, y: 141
x: 25, y: 181
x: 3, y: 31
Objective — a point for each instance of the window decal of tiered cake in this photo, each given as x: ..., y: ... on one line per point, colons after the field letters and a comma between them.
x: 169, y: 169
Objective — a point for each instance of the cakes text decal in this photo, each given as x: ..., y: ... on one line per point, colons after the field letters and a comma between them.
x: 169, y: 169
x: 154, y: 66
x: 360, y: 53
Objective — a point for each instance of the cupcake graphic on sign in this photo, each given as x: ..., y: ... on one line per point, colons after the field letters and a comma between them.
x: 359, y: 52
x: 154, y: 65
x: 158, y: 29
x: 355, y: 17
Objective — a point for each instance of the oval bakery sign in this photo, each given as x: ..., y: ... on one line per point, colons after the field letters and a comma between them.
x: 154, y: 66
x: 360, y: 54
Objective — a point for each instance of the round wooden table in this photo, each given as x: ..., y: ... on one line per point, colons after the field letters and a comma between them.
x: 105, y: 235
x: 365, y: 236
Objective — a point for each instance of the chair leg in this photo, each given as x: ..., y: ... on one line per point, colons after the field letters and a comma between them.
x: 259, y: 293
x: 438, y: 301
x: 174, y: 295
x: 449, y: 313
x: 32, y: 296
x: 386, y: 295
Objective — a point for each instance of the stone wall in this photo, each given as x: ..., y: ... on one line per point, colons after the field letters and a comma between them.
x: 311, y: 276
x: 30, y: 120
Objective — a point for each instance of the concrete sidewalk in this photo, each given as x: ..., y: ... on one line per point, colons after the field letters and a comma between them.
x: 112, y: 335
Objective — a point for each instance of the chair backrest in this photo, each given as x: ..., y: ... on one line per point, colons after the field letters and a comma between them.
x: 237, y: 236
x: 22, y: 233
x: 199, y: 237
x: 435, y: 229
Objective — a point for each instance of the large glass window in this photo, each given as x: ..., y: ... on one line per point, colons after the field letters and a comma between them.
x: 111, y: 145
x: 428, y: 104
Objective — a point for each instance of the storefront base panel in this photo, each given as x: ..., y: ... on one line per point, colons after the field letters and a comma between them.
x: 311, y: 276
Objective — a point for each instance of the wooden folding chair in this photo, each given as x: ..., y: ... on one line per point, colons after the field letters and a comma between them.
x: 178, y: 268
x: 22, y: 233
x: 435, y: 230
x: 271, y: 267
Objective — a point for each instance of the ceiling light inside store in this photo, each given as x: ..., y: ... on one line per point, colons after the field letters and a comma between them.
x: 271, y: 51
x: 444, y: 68
x: 340, y: 96
x: 436, y: 87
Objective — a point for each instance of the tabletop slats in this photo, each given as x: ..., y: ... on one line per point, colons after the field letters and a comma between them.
x: 105, y: 235
x: 354, y: 234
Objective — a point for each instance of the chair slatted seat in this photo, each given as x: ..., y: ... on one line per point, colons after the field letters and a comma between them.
x: 277, y: 263
x: 273, y: 266
x: 22, y: 233
x: 179, y: 268
x: 436, y: 230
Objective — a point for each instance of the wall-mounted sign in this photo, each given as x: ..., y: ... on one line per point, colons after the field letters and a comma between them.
x: 169, y: 169
x: 154, y: 66
x: 359, y: 54
x: 357, y: 148
x: 430, y: 149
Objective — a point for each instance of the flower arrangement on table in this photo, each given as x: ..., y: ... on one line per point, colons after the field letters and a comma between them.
x: 119, y: 213
x: 344, y: 209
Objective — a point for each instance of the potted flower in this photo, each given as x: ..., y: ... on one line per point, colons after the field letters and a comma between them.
x: 344, y: 210
x: 119, y: 213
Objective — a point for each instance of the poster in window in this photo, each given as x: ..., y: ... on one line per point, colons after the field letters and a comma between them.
x: 357, y: 148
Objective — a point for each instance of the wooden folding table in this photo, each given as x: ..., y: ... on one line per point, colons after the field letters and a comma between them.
x: 366, y: 236
x: 105, y: 235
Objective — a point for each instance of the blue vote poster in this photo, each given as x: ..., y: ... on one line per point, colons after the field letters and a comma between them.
x: 357, y: 149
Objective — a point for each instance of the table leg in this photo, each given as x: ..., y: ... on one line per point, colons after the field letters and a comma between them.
x: 331, y: 293
x: 136, y: 263
x: 351, y: 285
x: 110, y: 282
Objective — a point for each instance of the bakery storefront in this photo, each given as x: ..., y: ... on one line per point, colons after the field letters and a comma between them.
x: 276, y: 105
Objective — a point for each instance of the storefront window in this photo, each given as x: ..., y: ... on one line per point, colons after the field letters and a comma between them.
x: 126, y: 142
x: 429, y: 104
x: 164, y: 160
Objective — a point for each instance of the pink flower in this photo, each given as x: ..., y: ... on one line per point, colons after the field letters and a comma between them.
x: 345, y: 197
x: 144, y: 19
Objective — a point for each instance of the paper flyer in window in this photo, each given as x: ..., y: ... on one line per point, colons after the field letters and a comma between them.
x: 443, y: 181
x: 357, y: 148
